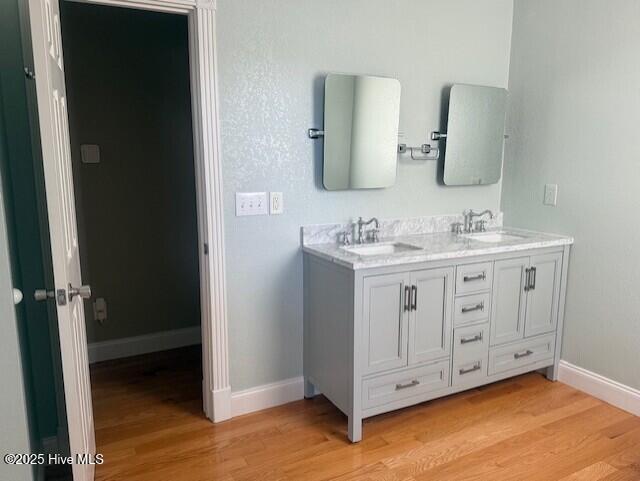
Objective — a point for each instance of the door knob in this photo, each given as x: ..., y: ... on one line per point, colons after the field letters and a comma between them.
x: 17, y: 296
x: 82, y: 291
x: 43, y: 294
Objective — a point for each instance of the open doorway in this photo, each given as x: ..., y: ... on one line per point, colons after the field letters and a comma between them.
x: 67, y: 290
x: 131, y: 136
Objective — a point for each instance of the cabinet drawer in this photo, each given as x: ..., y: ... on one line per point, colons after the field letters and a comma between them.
x: 470, y: 343
x: 474, y: 277
x: 407, y: 383
x: 473, y: 308
x: 503, y: 359
x: 469, y: 371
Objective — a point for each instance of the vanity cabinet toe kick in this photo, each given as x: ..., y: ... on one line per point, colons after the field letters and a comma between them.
x: 384, y: 338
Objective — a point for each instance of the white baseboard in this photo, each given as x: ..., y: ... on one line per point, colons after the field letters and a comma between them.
x: 267, y: 396
x: 218, y: 405
x: 133, y: 346
x: 612, y: 392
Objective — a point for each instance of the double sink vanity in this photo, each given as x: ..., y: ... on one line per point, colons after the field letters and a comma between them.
x: 412, y: 310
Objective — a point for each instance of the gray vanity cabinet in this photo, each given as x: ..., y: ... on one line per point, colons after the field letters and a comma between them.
x: 406, y: 318
x: 542, y: 298
x: 509, y: 301
x: 525, y: 297
x: 385, y: 321
x: 385, y: 337
x: 430, y: 315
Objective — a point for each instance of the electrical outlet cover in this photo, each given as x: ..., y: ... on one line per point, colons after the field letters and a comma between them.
x: 276, y: 203
x: 550, y: 194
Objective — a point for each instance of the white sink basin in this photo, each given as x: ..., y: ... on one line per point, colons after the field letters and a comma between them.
x: 494, y: 237
x: 380, y: 249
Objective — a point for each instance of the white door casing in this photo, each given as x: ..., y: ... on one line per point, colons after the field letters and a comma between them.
x: 203, y: 71
x: 54, y: 136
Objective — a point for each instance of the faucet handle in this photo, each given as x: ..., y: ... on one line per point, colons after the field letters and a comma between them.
x: 344, y: 238
x: 480, y: 226
x: 456, y: 227
x: 372, y: 235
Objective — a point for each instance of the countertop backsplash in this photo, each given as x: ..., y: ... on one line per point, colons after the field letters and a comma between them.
x: 329, y: 233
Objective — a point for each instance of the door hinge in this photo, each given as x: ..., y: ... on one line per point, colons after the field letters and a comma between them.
x: 29, y: 73
x: 206, y: 249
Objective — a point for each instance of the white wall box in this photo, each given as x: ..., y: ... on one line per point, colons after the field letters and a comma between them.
x: 382, y: 338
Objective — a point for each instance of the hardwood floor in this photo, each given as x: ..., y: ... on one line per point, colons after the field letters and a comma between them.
x: 149, y: 426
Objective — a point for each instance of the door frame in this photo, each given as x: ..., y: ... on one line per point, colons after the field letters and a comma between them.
x: 201, y: 14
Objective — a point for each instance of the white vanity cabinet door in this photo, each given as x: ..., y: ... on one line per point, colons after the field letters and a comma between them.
x: 542, y: 297
x: 509, y: 300
x: 430, y: 318
x: 385, y: 322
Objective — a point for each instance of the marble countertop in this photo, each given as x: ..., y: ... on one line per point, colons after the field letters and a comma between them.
x: 437, y: 246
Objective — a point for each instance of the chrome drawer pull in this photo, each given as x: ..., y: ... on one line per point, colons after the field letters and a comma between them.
x: 476, y: 367
x: 519, y: 355
x: 407, y: 298
x: 415, y: 382
x: 477, y: 307
x: 479, y: 277
x: 467, y: 340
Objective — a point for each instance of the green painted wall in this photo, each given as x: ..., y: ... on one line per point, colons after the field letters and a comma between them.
x: 575, y: 111
x: 273, y: 56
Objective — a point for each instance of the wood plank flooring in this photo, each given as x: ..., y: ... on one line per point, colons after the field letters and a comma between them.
x: 149, y: 426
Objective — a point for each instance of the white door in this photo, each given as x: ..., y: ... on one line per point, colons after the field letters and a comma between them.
x: 54, y: 132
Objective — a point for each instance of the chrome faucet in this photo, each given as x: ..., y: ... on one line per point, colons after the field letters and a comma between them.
x: 374, y: 233
x: 468, y: 219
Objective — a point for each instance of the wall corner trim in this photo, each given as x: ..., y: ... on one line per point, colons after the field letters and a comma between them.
x: 267, y: 396
x: 605, y: 389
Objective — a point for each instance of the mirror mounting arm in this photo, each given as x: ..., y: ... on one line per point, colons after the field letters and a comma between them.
x: 438, y: 136
x: 315, y: 133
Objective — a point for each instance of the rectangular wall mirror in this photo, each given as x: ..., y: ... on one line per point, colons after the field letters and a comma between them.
x: 361, y: 116
x: 475, y: 135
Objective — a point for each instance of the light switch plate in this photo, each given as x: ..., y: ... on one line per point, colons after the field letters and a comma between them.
x: 90, y: 153
x: 276, y: 203
x: 550, y: 194
x: 251, y: 203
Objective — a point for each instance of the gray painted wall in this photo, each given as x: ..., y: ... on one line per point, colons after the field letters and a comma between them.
x: 128, y: 82
x: 17, y: 426
x: 575, y: 111
x: 273, y: 56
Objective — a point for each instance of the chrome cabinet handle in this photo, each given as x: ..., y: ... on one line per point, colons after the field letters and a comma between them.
x: 467, y: 340
x: 527, y: 279
x: 479, y: 277
x: 407, y: 298
x: 82, y: 291
x: 532, y: 283
x: 414, y: 298
x: 477, y: 307
x: 413, y: 383
x: 476, y: 367
x: 519, y: 355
